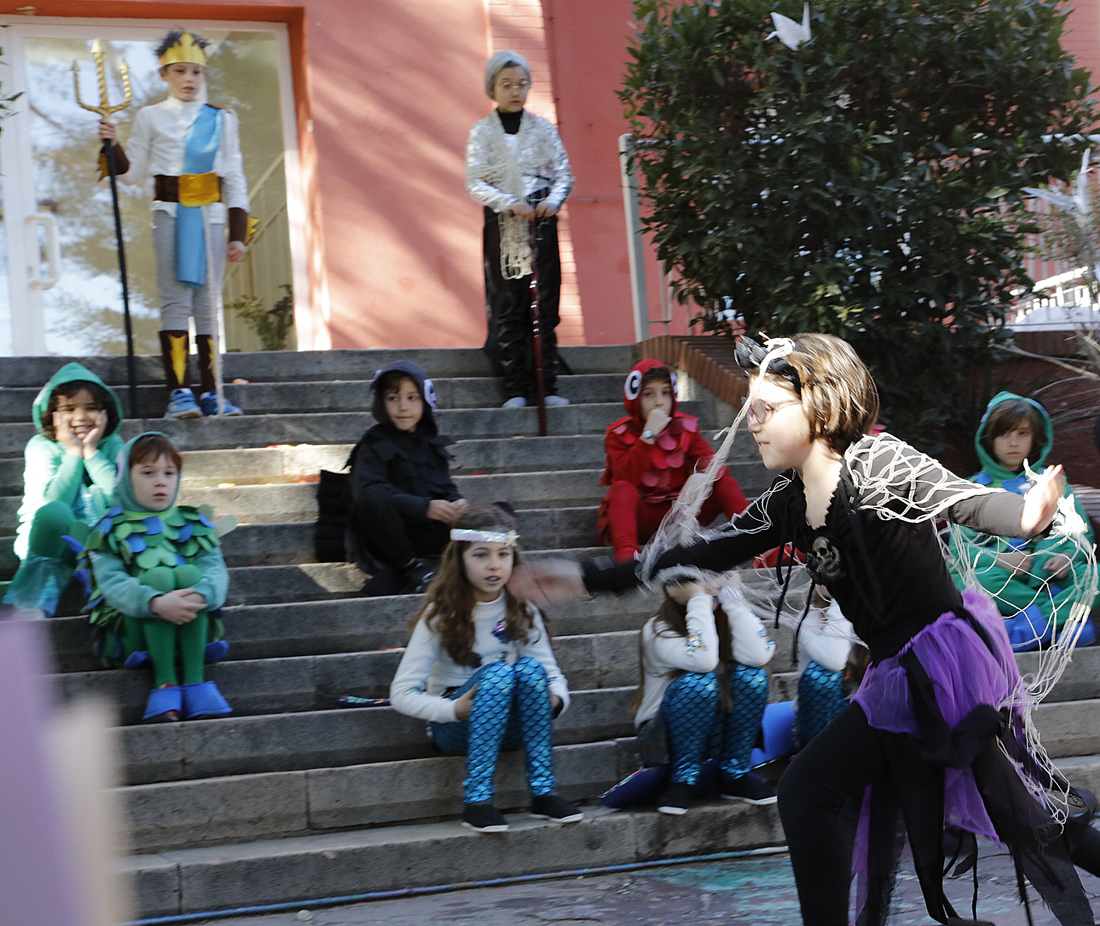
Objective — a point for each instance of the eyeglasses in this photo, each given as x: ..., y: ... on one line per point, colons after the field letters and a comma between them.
x: 760, y: 411
x: 520, y: 85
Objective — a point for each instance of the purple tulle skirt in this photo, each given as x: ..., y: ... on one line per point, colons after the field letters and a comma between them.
x: 965, y: 673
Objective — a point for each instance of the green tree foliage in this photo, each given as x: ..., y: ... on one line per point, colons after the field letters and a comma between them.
x: 865, y: 184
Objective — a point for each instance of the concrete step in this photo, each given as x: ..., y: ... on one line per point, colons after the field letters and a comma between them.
x: 290, y: 463
x: 282, y: 366
x: 348, y: 427
x: 265, y: 504
x: 415, y: 855
x: 349, y: 625
x: 185, y: 814
x: 235, y: 745
x: 284, y: 398
x: 307, y: 683
x: 291, y: 543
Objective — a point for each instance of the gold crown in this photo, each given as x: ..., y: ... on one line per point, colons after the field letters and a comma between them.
x: 185, y: 51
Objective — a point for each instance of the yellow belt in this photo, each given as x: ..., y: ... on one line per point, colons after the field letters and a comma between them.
x: 199, y: 189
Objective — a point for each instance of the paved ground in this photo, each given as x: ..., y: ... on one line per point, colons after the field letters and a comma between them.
x: 756, y: 890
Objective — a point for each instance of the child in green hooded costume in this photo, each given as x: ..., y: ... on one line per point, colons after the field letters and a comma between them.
x: 1034, y: 583
x: 157, y: 574
x: 68, y: 477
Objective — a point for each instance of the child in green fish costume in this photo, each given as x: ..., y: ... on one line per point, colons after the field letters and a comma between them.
x: 157, y: 576
x: 68, y: 477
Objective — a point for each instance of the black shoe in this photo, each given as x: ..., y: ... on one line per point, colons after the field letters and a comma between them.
x: 555, y: 808
x: 418, y: 576
x: 676, y: 799
x: 484, y: 818
x: 749, y: 788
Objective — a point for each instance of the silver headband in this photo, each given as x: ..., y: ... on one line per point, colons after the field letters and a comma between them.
x: 473, y: 536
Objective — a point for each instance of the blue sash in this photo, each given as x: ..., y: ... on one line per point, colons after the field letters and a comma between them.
x: 200, y: 148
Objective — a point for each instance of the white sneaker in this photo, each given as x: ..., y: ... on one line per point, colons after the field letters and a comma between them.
x: 552, y: 400
x: 517, y: 401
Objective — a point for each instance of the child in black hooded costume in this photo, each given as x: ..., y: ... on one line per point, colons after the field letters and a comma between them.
x: 403, y: 496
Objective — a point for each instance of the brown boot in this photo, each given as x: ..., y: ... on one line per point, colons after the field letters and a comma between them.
x: 208, y: 400
x: 174, y: 349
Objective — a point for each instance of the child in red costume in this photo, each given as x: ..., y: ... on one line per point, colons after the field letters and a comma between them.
x: 650, y: 454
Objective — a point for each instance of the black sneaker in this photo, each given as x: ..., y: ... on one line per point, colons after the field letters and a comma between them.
x: 419, y: 576
x: 676, y: 799
x: 484, y: 818
x: 555, y: 808
x: 749, y: 788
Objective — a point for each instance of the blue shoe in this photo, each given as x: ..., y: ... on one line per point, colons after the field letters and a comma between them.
x: 208, y: 404
x: 163, y: 704
x: 182, y: 405
x: 215, y: 652
x: 137, y: 659
x: 202, y: 699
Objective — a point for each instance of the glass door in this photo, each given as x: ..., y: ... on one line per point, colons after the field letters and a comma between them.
x: 62, y: 293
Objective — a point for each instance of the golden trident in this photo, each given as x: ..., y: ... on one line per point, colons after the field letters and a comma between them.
x: 105, y: 109
x: 107, y: 160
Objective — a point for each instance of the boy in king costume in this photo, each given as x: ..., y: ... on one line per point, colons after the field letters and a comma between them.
x: 192, y: 150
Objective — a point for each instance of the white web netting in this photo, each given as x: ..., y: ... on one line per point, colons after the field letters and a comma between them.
x: 1053, y: 581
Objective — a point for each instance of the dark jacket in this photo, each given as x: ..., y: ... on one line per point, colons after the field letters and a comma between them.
x: 410, y: 468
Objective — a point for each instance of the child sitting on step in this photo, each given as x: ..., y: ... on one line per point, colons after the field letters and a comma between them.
x: 69, y: 476
x: 703, y: 691
x: 650, y: 455
x: 403, y: 496
x: 480, y: 670
x: 1032, y: 582
x: 157, y: 576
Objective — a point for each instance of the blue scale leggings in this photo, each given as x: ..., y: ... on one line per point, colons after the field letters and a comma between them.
x: 696, y: 729
x: 820, y: 699
x: 511, y: 708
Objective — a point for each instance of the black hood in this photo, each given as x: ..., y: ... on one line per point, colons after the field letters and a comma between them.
x: 427, y: 426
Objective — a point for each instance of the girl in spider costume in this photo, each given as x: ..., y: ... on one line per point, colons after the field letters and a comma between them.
x: 158, y: 577
x: 938, y: 731
x: 480, y: 670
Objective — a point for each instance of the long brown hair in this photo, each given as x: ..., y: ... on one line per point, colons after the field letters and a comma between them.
x: 449, y: 607
x: 671, y: 621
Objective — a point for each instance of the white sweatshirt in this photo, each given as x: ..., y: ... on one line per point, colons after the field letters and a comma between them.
x: 826, y: 638
x: 664, y: 652
x: 427, y: 670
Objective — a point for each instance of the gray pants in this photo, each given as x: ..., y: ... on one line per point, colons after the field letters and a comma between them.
x: 180, y: 301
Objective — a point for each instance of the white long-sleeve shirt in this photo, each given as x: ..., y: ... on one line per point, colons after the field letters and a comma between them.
x: 427, y: 670
x: 157, y: 143
x: 665, y: 652
x: 826, y: 637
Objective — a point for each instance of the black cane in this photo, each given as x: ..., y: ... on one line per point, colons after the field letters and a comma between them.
x: 131, y: 369
x: 536, y: 329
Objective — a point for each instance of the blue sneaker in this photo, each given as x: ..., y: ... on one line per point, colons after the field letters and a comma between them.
x: 208, y: 404
x: 181, y: 404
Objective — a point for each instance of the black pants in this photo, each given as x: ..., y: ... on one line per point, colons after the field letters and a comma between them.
x: 391, y: 538
x: 820, y: 796
x: 509, y: 305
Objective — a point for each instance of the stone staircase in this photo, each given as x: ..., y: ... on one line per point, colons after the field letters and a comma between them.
x: 292, y: 799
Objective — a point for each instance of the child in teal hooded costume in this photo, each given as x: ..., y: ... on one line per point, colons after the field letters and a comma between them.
x: 1033, y: 583
x: 158, y: 573
x: 68, y: 477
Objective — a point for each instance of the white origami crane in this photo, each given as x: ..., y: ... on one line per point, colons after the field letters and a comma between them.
x: 790, y: 33
x: 1078, y: 204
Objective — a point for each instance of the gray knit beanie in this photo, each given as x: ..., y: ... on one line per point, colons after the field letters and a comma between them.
x: 499, y: 61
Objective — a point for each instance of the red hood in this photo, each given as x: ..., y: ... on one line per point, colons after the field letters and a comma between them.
x: 633, y: 387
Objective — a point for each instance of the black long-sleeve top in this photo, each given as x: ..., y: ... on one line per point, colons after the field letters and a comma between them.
x: 887, y: 573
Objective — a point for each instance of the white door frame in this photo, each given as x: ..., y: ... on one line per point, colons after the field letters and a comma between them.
x: 28, y: 334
